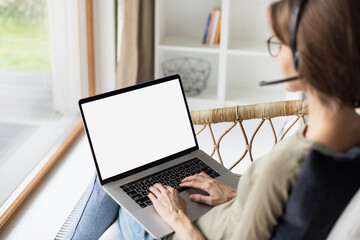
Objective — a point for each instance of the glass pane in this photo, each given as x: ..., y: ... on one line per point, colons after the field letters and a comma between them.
x: 25, y: 78
x: 24, y: 39
x: 25, y: 89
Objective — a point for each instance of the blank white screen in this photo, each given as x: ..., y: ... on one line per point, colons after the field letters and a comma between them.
x: 134, y: 128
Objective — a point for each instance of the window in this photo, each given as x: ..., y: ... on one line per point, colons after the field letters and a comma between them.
x: 40, y: 84
x: 25, y: 66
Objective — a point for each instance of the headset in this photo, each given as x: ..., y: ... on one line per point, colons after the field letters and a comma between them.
x: 294, y: 22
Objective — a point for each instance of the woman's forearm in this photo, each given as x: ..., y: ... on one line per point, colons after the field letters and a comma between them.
x: 184, y: 228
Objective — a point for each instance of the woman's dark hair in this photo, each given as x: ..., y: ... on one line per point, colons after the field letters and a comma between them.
x: 328, y: 40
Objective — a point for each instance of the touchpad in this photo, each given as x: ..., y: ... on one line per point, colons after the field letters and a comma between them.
x: 195, y: 209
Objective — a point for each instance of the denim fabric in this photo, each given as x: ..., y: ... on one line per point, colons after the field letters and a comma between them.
x: 99, y: 212
x: 131, y: 229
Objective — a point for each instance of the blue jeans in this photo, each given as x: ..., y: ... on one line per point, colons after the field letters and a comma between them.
x: 99, y: 212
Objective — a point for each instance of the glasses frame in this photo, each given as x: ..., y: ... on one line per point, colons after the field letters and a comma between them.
x: 270, y: 43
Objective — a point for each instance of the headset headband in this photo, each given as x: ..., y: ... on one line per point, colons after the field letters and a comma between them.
x: 294, y: 22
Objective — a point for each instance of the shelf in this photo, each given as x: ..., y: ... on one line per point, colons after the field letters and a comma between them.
x: 186, y: 44
x: 237, y: 64
x: 202, y: 104
x: 209, y: 93
x: 205, y: 100
x: 253, y: 96
x: 193, y: 44
x: 257, y: 48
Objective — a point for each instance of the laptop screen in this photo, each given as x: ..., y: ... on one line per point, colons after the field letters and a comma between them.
x: 137, y: 127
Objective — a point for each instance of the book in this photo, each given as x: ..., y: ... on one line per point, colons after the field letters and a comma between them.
x: 206, y: 29
x: 214, y: 26
x: 217, y: 35
x: 210, y: 28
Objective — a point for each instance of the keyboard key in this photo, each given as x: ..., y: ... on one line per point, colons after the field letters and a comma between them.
x: 139, y: 189
x: 136, y: 196
x: 204, y: 169
x: 142, y: 200
x: 131, y: 193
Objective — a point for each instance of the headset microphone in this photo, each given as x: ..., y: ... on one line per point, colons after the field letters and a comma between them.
x: 294, y: 22
x: 266, y: 83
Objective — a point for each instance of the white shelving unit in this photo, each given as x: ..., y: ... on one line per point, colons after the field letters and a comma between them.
x: 238, y: 63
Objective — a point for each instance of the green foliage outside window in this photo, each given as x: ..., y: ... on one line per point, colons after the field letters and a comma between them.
x: 24, y: 38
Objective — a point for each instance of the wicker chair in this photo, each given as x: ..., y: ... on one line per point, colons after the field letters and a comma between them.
x: 237, y: 115
x: 234, y: 116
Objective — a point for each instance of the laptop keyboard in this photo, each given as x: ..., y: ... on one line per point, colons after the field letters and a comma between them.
x: 139, y: 189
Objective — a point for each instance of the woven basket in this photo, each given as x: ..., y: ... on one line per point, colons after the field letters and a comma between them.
x: 193, y: 71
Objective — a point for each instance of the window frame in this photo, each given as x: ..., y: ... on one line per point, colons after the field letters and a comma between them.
x: 69, y: 67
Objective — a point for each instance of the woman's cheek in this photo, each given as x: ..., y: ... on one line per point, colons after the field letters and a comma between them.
x: 294, y: 86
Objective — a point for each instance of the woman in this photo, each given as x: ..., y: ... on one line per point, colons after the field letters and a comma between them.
x: 328, y: 42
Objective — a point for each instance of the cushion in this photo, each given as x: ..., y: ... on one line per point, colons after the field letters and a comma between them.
x: 348, y: 225
x: 323, y: 189
x: 112, y: 233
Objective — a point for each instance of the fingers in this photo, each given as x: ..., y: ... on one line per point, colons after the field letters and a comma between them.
x: 201, y: 199
x: 194, y: 184
x: 158, y: 189
x: 155, y: 190
x: 204, y: 175
x: 170, y: 189
x: 199, y: 181
x: 196, y: 176
x: 152, y: 197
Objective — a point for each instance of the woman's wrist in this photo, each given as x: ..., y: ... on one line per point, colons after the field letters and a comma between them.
x: 179, y: 219
x: 233, y: 193
x: 183, y: 227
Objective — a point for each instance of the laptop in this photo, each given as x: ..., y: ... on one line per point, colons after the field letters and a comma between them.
x: 142, y: 135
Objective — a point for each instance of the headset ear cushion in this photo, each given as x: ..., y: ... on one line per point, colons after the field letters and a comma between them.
x: 296, y: 57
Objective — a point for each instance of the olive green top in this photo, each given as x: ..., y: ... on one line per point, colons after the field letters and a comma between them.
x: 262, y: 194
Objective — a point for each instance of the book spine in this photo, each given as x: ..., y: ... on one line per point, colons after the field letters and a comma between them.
x: 210, y: 27
x: 218, y: 30
x: 214, y: 27
x: 206, y: 29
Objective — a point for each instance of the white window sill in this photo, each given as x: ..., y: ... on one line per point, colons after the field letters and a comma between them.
x: 47, y: 209
x: 24, y: 156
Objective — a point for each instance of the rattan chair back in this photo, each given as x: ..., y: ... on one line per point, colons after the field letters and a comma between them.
x: 236, y: 115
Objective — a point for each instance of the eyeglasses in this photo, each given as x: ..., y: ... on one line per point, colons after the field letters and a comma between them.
x: 274, y: 46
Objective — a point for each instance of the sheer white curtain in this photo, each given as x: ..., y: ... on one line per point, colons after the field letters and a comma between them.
x: 65, y: 45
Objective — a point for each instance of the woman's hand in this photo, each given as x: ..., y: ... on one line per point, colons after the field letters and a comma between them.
x: 172, y: 209
x: 219, y: 193
x: 167, y: 202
